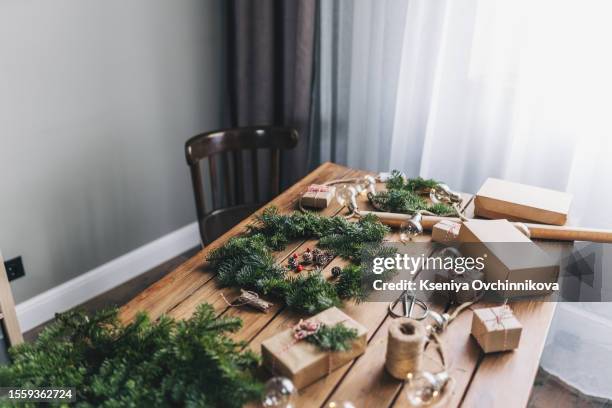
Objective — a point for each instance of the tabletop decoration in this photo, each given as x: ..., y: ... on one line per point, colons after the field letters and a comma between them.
x: 445, y: 232
x: 251, y: 299
x: 405, y: 346
x: 247, y: 261
x: 318, y: 196
x: 315, y: 347
x: 157, y: 364
x: 405, y: 196
x: 496, y: 329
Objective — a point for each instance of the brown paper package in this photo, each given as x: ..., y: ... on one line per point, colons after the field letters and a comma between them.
x: 510, y: 255
x: 500, y: 199
x: 493, y: 334
x: 445, y: 231
x: 302, y: 362
x: 318, y: 199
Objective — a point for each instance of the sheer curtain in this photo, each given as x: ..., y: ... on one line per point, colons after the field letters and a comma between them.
x: 466, y: 89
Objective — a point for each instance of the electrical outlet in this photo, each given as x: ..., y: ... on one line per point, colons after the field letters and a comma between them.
x: 14, y: 268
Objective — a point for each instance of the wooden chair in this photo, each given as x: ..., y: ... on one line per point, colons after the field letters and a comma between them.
x: 231, y: 146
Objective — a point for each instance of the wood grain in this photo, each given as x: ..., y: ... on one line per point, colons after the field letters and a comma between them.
x: 479, y: 380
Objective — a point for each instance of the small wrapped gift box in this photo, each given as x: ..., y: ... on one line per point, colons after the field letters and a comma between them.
x: 496, y: 329
x: 445, y: 231
x: 303, y: 362
x: 318, y: 196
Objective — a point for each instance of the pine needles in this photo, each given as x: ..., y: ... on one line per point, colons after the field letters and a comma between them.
x: 402, y: 196
x: 311, y: 293
x: 247, y: 261
x: 164, y: 364
x: 333, y: 338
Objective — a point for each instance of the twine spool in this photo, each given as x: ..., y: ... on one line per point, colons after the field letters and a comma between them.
x: 405, y: 346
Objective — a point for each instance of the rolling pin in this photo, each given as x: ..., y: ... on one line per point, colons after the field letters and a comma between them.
x: 537, y: 231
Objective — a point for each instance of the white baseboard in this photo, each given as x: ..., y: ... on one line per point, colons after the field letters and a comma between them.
x: 43, y: 307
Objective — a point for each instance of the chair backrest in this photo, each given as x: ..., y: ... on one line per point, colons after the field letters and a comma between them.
x: 224, y: 150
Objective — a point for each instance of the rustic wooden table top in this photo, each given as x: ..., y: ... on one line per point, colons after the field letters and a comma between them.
x: 494, y: 380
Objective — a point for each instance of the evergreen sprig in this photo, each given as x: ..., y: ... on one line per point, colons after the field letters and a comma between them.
x: 311, y: 293
x: 333, y: 338
x: 402, y: 196
x: 159, y: 364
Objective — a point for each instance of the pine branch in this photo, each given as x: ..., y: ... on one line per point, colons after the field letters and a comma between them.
x: 311, y: 294
x: 163, y: 364
x: 247, y: 261
x: 402, y: 196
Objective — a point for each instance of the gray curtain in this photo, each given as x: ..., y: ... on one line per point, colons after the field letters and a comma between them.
x: 270, y: 55
x: 357, y: 78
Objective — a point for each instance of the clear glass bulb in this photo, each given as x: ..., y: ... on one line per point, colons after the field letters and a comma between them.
x: 369, y: 184
x: 345, y: 195
x: 424, y: 387
x: 279, y: 393
x: 340, y: 404
x: 411, y: 228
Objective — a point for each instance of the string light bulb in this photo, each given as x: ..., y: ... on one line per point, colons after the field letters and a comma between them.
x: 411, y: 228
x: 279, y: 392
x: 367, y: 185
x: 346, y: 196
x: 340, y: 404
x: 424, y: 388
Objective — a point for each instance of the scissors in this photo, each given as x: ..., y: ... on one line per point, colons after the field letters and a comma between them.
x: 408, y: 301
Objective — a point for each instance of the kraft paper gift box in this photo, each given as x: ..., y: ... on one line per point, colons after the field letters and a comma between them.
x: 496, y: 329
x: 304, y: 363
x: 318, y: 196
x: 445, y: 231
x: 500, y: 199
x: 508, y: 255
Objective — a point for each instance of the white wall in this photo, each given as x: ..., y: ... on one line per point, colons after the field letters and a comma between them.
x: 96, y: 100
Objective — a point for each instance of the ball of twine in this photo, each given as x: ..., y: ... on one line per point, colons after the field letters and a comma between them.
x: 405, y: 347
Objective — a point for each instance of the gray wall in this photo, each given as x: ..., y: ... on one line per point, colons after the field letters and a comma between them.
x: 96, y: 100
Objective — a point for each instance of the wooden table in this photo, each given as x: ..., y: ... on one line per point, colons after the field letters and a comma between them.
x: 495, y: 380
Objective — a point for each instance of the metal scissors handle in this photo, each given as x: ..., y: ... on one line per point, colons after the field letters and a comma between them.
x: 408, y: 301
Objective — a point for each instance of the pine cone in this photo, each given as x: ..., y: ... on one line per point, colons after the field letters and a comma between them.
x: 307, y: 257
x: 293, y: 262
x: 321, y: 258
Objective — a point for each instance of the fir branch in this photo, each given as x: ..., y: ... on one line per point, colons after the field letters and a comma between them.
x: 350, y: 283
x: 164, y: 364
x: 311, y: 293
x: 421, y: 184
x: 355, y: 281
x: 247, y: 261
x: 398, y: 181
x: 407, y: 201
x: 333, y: 338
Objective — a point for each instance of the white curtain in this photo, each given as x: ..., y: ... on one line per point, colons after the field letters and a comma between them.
x: 461, y: 90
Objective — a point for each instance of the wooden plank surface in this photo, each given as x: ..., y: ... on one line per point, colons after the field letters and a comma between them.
x: 477, y: 378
